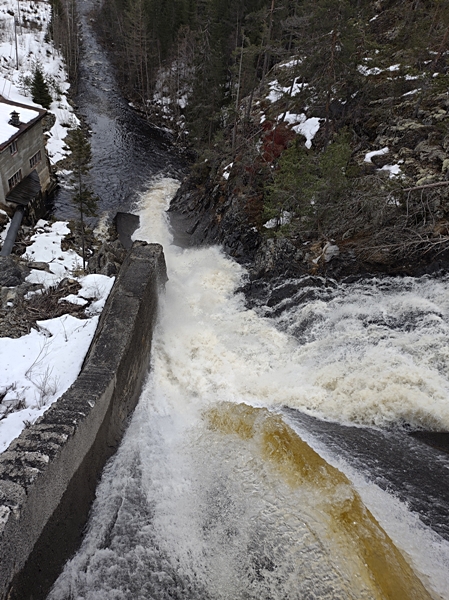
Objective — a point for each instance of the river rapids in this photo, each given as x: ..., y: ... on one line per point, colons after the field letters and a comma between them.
x: 268, y: 457
x: 220, y: 491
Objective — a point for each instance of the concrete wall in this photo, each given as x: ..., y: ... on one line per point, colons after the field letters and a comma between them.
x: 48, y: 475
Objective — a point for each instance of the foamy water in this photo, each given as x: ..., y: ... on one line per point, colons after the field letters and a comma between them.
x: 372, y: 353
x: 377, y: 352
x: 209, y: 499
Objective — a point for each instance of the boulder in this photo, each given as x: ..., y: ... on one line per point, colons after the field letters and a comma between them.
x: 380, y: 160
x: 330, y: 251
x: 39, y: 266
x: 410, y: 132
x: 430, y: 153
x: 445, y: 166
x: 107, y: 259
x: 12, y: 272
x: 11, y: 295
x: 8, y: 295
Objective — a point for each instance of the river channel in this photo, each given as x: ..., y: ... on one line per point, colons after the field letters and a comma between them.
x: 268, y: 457
x: 127, y: 151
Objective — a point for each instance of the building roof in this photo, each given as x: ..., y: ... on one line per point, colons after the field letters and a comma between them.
x: 26, y: 190
x: 28, y: 116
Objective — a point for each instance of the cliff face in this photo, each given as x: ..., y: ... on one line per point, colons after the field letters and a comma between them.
x: 338, y: 167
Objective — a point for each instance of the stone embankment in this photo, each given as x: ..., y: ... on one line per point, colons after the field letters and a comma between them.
x: 48, y: 475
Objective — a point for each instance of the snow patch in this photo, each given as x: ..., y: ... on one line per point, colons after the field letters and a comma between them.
x: 46, y: 247
x: 34, y: 48
x: 304, y: 126
x: 291, y: 63
x: 96, y: 287
x: 40, y: 367
x: 277, y: 91
x: 368, y: 71
x: 370, y: 155
x: 393, y: 170
x: 227, y: 171
x: 284, y: 219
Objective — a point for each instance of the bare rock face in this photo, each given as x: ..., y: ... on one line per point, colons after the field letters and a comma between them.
x: 278, y: 256
x: 126, y: 224
x: 409, y: 132
x: 200, y: 216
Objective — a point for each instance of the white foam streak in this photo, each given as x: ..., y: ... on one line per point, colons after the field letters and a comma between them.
x: 378, y: 355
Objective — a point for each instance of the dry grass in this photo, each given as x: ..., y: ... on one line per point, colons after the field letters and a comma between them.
x: 21, y: 318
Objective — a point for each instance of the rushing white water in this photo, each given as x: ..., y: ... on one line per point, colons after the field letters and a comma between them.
x: 199, y: 501
x: 376, y: 352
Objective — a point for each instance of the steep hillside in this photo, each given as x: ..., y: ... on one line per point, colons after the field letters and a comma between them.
x: 28, y: 44
x: 321, y: 130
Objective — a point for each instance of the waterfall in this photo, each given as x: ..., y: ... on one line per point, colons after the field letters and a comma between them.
x: 214, y: 495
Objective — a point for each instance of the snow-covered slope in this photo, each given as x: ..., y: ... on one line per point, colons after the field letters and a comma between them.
x: 27, y: 22
x: 36, y: 369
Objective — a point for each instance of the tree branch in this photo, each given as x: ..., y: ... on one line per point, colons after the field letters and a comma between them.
x: 427, y: 185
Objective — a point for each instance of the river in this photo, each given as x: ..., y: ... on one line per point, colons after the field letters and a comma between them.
x: 119, y: 136
x: 268, y: 456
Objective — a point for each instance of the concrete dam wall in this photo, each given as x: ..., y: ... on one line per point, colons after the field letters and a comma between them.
x: 48, y: 475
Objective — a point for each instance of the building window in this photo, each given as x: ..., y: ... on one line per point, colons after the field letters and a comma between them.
x: 35, y: 159
x: 14, y: 180
x: 13, y: 147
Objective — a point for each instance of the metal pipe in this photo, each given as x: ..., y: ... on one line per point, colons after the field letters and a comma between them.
x: 12, y: 231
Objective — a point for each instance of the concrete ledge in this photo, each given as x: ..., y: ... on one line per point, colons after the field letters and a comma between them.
x: 49, y: 473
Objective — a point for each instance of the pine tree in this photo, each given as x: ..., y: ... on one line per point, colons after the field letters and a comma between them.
x: 138, y: 48
x: 39, y: 89
x: 84, y: 199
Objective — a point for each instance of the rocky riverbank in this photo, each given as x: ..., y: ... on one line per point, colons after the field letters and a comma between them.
x: 25, y: 299
x: 324, y: 152
x: 208, y: 214
x: 290, y: 204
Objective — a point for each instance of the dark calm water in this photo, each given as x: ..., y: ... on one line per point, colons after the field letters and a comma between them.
x: 127, y: 151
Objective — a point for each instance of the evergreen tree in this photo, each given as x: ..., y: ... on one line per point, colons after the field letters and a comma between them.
x: 39, y: 89
x: 329, y: 36
x: 84, y: 200
x: 138, y: 47
x: 311, y: 186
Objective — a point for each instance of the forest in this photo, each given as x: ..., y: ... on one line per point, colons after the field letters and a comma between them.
x: 216, y: 52
x: 229, y: 78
